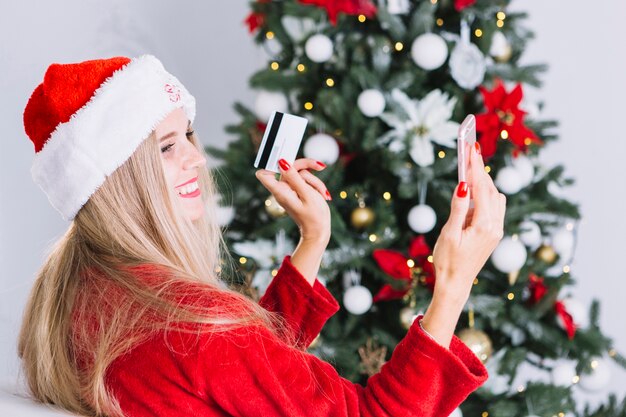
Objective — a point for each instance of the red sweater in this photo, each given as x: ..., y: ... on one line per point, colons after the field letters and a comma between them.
x: 252, y: 373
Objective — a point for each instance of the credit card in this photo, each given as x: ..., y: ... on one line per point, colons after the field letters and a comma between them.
x: 282, y: 139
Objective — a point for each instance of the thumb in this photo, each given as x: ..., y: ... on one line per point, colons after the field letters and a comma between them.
x: 459, y: 207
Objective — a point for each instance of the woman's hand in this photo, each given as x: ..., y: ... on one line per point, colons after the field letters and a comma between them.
x: 303, y: 196
x: 465, y: 243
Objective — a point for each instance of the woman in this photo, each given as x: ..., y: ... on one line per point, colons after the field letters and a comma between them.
x: 130, y: 314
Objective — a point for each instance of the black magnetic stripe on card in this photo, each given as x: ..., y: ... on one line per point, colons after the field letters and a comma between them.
x: 271, y: 138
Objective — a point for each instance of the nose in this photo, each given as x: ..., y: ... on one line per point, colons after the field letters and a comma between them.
x: 193, y: 158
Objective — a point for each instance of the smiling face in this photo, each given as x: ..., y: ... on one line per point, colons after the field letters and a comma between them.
x: 181, y: 161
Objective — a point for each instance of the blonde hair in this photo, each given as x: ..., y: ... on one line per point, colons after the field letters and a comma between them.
x: 94, y: 298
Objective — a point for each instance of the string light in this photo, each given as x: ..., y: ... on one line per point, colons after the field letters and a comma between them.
x: 478, y: 33
x: 594, y: 364
x: 274, y: 272
x: 487, y: 169
x: 430, y: 258
x: 301, y: 67
x: 410, y: 263
x: 612, y: 353
x: 500, y: 23
x: 433, y: 1
x: 569, y: 226
x: 330, y: 82
x: 373, y: 238
x: 504, y: 134
x: 521, y: 388
x: 566, y: 269
x: 399, y: 46
x: 439, y: 22
x: 576, y: 379
x: 528, y: 141
x: 308, y: 105
x: 362, y: 18
x: 501, y: 16
x: 242, y: 260
x: 510, y: 296
x: 343, y: 195
x: 485, y: 414
x: 269, y: 35
x: 514, y: 237
x: 475, y: 281
x: 441, y: 154
x: 274, y: 65
x: 387, y: 195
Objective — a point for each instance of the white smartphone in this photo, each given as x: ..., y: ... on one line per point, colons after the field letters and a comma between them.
x: 281, y: 139
x: 466, y: 139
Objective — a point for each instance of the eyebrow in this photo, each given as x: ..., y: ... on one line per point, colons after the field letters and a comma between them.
x: 169, y: 135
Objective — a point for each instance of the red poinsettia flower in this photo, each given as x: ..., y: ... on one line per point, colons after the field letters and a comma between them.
x: 503, y: 119
x: 462, y: 4
x: 255, y: 19
x: 394, y: 263
x: 350, y: 7
x: 537, y: 288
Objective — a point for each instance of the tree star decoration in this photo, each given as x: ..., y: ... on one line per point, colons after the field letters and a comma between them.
x: 421, y: 122
x: 503, y: 119
x: 267, y: 255
x: 372, y: 357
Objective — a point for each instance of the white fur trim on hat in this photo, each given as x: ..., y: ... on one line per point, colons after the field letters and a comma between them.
x: 104, y: 133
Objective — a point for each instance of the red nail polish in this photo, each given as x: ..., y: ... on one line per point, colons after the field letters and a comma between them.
x: 323, y: 165
x: 328, y: 195
x: 477, y: 146
x: 284, y: 164
x: 462, y: 190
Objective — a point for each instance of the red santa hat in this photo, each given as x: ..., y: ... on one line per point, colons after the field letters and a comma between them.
x: 87, y: 118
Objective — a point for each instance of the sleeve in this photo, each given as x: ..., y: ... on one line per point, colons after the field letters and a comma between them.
x: 305, y: 307
x: 256, y: 374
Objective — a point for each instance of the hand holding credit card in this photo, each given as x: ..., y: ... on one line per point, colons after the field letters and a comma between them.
x: 281, y: 139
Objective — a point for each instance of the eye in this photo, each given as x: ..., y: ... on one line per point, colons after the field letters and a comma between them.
x: 166, y: 148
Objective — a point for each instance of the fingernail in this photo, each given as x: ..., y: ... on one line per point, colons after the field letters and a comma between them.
x: 328, y: 195
x: 477, y: 146
x: 323, y: 165
x: 462, y: 190
x: 283, y: 164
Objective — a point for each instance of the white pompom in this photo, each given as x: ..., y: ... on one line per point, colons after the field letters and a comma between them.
x: 319, y: 48
x: 357, y: 299
x: 267, y: 102
x: 577, y: 310
x: 321, y: 147
x: 456, y: 413
x: 524, y: 166
x: 509, y: 256
x: 422, y: 218
x: 563, y: 373
x: 429, y: 51
x: 563, y: 242
x: 371, y: 103
x: 530, y: 234
x: 509, y: 180
x: 599, y: 377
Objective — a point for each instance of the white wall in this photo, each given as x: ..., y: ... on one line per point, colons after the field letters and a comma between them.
x: 209, y: 50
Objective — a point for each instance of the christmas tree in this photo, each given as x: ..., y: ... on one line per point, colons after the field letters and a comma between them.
x: 384, y: 86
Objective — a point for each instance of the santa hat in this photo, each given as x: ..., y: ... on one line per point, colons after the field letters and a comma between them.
x: 86, y: 119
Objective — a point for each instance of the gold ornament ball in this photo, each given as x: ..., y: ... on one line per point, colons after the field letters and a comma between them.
x: 547, y: 254
x: 362, y: 217
x: 407, y: 316
x: 505, y: 55
x: 478, y: 342
x: 273, y: 208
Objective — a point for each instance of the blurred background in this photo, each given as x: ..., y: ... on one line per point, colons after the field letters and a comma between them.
x: 207, y: 46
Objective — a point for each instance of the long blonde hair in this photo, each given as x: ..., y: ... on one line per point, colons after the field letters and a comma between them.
x: 93, y: 298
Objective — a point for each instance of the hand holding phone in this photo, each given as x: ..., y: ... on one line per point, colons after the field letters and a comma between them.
x: 466, y: 139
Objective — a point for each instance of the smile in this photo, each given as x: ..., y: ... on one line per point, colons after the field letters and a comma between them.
x: 189, y: 190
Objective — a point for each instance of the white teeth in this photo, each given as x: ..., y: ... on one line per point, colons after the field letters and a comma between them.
x: 189, y: 188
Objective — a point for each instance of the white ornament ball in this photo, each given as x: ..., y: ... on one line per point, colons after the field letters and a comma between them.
x: 357, y: 299
x: 371, y: 103
x: 530, y: 234
x: 467, y: 65
x: 563, y: 242
x: 456, y: 413
x: 429, y: 51
x: 524, y: 166
x: 599, y: 378
x: 577, y: 310
x: 563, y: 373
x: 500, y: 46
x: 509, y: 256
x: 321, y: 147
x: 509, y: 180
x: 422, y: 218
x: 319, y: 48
x: 267, y: 102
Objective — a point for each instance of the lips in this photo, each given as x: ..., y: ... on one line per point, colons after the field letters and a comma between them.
x: 188, y: 182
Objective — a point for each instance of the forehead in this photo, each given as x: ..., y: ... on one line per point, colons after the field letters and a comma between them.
x: 176, y: 120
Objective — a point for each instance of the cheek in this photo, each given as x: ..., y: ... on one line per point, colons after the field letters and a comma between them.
x: 169, y: 171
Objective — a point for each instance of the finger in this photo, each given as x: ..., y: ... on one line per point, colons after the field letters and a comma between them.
x: 459, y: 208
x: 316, y: 183
x: 293, y: 178
x: 308, y: 163
x: 480, y: 187
x: 283, y: 193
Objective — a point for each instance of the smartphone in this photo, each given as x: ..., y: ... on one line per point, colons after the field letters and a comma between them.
x: 466, y: 139
x: 281, y: 139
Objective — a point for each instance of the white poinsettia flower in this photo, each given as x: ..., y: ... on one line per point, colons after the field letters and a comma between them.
x: 420, y: 123
x: 267, y: 254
